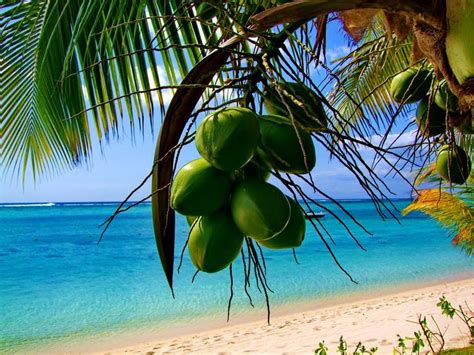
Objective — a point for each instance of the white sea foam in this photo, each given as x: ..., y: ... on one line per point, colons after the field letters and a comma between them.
x: 48, y: 204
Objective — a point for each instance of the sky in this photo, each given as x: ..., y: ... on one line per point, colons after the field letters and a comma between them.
x: 119, y: 166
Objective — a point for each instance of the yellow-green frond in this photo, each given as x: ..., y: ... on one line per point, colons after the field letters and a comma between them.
x: 450, y: 211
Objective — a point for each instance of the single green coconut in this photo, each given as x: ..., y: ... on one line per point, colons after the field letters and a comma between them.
x: 207, y: 11
x: 458, y: 43
x: 293, y: 234
x: 214, y: 242
x: 228, y: 137
x: 433, y: 124
x: 305, y: 106
x: 199, y: 189
x: 453, y: 164
x: 411, y: 85
x: 259, y: 210
x: 445, y: 99
x: 287, y: 148
x: 257, y: 169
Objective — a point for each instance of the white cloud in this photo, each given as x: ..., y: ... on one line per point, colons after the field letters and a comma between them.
x: 397, y: 139
x: 395, y: 142
x: 337, y: 171
x: 391, y: 141
x: 167, y: 94
x: 335, y: 53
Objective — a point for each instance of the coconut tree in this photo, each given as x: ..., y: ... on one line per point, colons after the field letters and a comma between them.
x: 83, y: 68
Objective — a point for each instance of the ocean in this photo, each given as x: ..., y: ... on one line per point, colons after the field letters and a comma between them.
x: 58, y: 285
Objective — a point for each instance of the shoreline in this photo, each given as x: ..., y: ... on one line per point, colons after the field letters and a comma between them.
x: 138, y: 340
x: 372, y: 293
x: 297, y: 330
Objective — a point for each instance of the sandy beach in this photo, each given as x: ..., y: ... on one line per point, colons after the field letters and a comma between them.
x: 374, y: 321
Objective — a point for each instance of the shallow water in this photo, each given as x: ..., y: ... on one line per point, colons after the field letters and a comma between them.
x: 57, y: 283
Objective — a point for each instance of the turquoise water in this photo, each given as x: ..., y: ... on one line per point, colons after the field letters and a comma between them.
x: 56, y: 283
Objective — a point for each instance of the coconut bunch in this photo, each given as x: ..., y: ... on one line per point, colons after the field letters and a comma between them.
x: 415, y: 85
x: 225, y: 195
x: 444, y: 39
x: 436, y: 103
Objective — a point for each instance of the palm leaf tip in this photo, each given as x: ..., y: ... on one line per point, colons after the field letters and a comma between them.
x: 450, y: 211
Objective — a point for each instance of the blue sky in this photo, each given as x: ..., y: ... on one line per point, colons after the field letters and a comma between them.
x: 113, y: 174
x: 121, y: 165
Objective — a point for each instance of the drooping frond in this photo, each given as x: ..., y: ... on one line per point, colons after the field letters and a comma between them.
x: 451, y: 212
x: 33, y: 129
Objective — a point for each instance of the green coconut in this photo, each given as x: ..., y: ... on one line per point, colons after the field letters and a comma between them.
x: 214, y: 242
x: 293, y: 234
x: 207, y: 11
x: 411, y: 85
x: 431, y: 119
x: 459, y: 47
x: 199, y: 189
x: 228, y: 137
x: 445, y: 99
x: 453, y: 164
x: 256, y: 169
x: 259, y: 210
x: 305, y: 106
x: 287, y: 148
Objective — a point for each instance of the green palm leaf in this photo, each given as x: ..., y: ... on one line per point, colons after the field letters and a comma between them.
x: 361, y: 92
x: 33, y: 128
x: 72, y: 68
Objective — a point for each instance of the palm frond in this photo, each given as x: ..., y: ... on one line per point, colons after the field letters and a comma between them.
x: 361, y: 92
x: 33, y: 128
x: 451, y: 212
x: 69, y: 68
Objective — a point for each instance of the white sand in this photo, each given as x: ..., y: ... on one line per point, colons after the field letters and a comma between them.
x: 373, y: 321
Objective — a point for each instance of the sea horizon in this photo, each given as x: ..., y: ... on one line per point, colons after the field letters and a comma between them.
x: 51, y: 203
